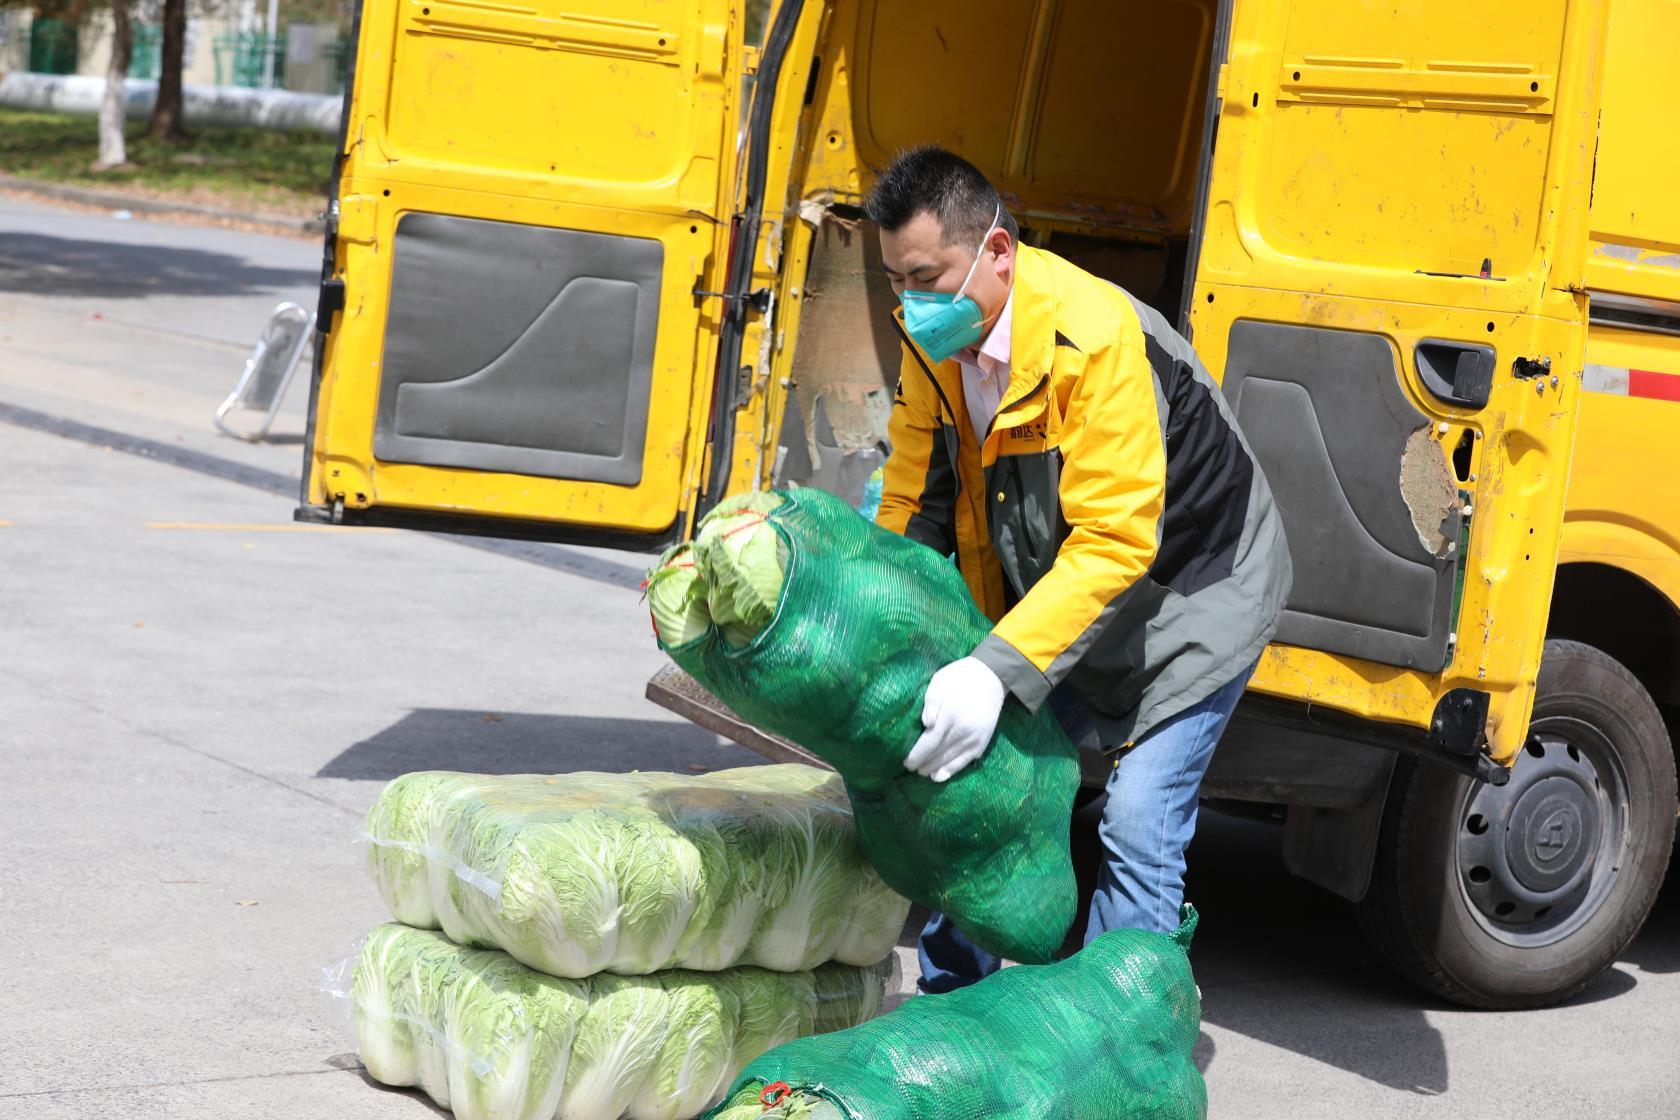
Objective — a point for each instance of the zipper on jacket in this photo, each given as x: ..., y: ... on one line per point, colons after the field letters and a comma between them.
x: 1022, y: 399
x: 1021, y: 510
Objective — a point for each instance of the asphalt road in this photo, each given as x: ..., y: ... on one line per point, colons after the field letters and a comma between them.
x: 199, y: 698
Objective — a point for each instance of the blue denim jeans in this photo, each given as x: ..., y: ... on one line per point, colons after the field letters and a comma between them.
x: 1147, y: 823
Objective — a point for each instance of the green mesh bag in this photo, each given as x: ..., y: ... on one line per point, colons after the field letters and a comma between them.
x: 865, y: 618
x: 1105, y: 1035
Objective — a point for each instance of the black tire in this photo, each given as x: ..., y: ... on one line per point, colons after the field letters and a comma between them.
x: 1484, y: 895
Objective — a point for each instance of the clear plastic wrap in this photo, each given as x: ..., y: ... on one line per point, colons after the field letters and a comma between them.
x: 632, y: 873
x: 490, y: 1039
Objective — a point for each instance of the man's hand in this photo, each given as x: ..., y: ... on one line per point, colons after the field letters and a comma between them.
x: 960, y: 713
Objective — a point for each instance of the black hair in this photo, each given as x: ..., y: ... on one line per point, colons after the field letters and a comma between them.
x: 931, y: 179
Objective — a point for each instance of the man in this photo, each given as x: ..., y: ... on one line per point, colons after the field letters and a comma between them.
x: 1066, y: 445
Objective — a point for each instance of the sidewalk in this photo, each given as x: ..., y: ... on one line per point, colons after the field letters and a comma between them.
x: 115, y: 201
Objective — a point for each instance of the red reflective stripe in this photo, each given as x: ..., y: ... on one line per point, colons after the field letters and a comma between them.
x: 1657, y: 386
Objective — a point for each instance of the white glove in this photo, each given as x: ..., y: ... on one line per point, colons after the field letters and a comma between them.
x: 960, y: 713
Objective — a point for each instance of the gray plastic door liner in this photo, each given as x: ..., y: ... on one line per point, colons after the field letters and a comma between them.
x: 1369, y: 506
x: 518, y: 348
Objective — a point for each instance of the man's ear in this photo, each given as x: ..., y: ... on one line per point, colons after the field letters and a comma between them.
x: 1003, y: 247
x: 1001, y: 243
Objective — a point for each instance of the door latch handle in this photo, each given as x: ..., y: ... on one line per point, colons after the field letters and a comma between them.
x: 1459, y: 373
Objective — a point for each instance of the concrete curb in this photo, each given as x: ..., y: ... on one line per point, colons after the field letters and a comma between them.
x: 116, y: 200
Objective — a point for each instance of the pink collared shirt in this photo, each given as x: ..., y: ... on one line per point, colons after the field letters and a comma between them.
x: 985, y: 371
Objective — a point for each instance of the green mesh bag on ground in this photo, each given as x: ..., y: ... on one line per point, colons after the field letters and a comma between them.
x: 1105, y: 1035
x: 863, y: 620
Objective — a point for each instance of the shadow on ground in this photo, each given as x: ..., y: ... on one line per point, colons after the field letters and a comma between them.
x: 1280, y: 961
x: 480, y: 742
x: 61, y: 266
x: 1657, y: 948
x: 353, y: 1064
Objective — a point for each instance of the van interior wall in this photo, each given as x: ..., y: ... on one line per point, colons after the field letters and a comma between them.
x: 846, y: 357
x: 845, y: 363
x: 1088, y: 116
x: 1151, y: 271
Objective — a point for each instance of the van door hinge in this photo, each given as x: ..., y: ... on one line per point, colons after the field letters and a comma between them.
x: 758, y: 300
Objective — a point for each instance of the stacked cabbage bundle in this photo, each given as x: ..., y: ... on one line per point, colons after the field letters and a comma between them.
x: 612, y: 944
x: 484, y: 1035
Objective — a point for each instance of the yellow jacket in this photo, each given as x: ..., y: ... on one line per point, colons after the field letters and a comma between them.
x: 1113, y: 524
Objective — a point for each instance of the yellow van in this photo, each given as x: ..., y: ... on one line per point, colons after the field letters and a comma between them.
x: 593, y: 267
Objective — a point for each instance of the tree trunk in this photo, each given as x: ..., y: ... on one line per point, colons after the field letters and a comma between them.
x: 166, y: 115
x: 112, y: 111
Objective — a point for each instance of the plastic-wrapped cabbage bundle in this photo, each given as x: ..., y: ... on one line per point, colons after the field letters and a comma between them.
x: 1105, y: 1035
x: 631, y: 873
x: 827, y: 631
x: 493, y: 1040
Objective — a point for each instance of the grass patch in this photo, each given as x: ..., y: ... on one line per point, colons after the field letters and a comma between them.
x: 240, y: 168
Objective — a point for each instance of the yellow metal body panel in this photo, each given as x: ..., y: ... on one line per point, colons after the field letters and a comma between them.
x: 1623, y: 510
x: 1636, y: 207
x: 1360, y: 151
x: 609, y: 116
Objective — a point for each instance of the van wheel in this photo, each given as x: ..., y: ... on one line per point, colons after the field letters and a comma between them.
x: 1520, y: 895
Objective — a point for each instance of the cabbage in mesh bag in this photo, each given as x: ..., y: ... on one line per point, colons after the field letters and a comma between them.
x: 677, y: 598
x: 841, y: 666
x: 752, y: 1103
x: 1107, y: 1033
x: 742, y: 561
x: 730, y: 575
x: 631, y: 873
x: 493, y: 1040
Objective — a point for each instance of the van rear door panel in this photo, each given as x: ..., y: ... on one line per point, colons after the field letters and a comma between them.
x: 1328, y: 420
x: 1390, y: 283
x: 529, y: 200
x: 554, y: 378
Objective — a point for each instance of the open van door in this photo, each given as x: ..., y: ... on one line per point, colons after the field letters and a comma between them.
x: 1389, y: 278
x: 528, y: 271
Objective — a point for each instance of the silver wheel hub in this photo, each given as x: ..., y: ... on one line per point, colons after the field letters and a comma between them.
x: 1537, y: 856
